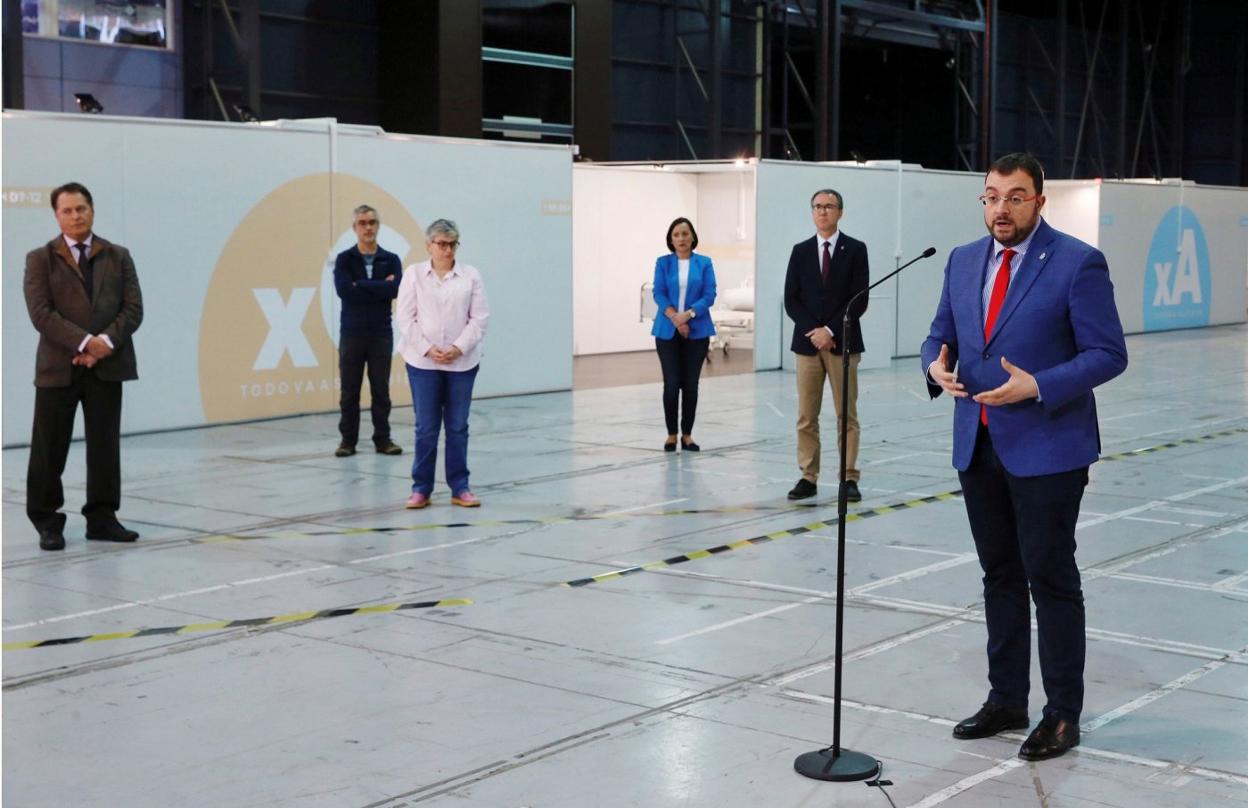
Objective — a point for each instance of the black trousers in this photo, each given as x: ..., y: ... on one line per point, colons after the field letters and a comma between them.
x: 1024, y: 529
x: 681, y: 360
x: 354, y: 353
x: 50, y: 436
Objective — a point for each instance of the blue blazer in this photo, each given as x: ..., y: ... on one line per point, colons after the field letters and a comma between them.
x: 1058, y: 323
x: 699, y: 295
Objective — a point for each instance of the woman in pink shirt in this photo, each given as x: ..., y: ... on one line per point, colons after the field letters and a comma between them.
x: 441, y: 315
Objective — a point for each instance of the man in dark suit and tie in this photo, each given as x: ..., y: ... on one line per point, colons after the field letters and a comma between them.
x: 824, y: 272
x: 1025, y: 329
x: 83, y: 297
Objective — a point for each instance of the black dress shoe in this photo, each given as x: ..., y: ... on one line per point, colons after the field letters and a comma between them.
x: 51, y: 538
x: 1051, y: 738
x: 852, y: 494
x: 803, y: 490
x: 110, y: 531
x: 669, y: 447
x: 991, y: 719
x: 389, y: 448
x: 690, y: 446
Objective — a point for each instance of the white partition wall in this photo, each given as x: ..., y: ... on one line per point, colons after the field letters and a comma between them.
x: 234, y: 228
x: 784, y: 191
x: 621, y: 218
x: 939, y: 209
x: 622, y: 213
x: 1074, y: 207
x: 1177, y: 253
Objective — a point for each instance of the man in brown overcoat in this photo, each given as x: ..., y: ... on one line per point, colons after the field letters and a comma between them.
x: 84, y: 300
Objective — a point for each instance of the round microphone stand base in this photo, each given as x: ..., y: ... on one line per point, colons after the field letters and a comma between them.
x: 842, y: 768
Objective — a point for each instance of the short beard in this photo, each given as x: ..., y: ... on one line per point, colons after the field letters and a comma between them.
x: 1020, y: 235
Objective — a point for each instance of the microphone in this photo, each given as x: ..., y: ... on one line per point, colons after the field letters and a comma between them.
x: 928, y: 253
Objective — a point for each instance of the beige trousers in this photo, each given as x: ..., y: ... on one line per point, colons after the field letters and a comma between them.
x: 811, y: 371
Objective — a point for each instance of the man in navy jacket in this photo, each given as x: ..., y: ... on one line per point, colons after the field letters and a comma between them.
x: 367, y: 280
x: 1025, y: 329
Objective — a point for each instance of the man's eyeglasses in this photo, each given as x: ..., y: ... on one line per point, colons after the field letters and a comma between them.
x: 367, y: 222
x: 1013, y: 200
x: 825, y: 208
x: 446, y: 245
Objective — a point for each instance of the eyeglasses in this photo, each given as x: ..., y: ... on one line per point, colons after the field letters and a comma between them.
x: 367, y: 222
x: 825, y: 208
x: 446, y: 245
x: 1014, y: 200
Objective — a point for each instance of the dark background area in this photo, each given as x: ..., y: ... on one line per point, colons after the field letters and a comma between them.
x: 1102, y: 88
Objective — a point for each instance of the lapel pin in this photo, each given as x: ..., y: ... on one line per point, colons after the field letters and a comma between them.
x: 1042, y: 255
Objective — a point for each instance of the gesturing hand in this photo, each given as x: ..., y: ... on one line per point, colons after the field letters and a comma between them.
x: 1019, y: 387
x: 945, y: 376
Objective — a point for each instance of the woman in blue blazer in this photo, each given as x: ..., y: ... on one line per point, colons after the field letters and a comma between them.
x: 684, y: 289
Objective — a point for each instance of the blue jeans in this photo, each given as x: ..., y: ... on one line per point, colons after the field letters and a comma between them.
x: 437, y: 396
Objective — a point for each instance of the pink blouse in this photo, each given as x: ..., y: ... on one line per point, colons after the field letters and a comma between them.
x: 441, y: 312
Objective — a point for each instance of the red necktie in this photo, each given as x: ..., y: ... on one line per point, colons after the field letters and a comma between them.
x: 826, y: 266
x: 999, y: 286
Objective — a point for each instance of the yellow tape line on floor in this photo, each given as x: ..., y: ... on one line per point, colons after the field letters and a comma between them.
x: 769, y: 537
x: 255, y: 622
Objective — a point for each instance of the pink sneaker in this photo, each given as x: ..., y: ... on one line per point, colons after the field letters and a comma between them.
x: 416, y: 501
x: 466, y: 499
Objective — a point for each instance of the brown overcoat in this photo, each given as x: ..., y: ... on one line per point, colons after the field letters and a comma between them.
x: 63, y: 314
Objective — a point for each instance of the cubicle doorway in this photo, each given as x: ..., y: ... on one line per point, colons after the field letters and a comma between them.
x: 621, y: 213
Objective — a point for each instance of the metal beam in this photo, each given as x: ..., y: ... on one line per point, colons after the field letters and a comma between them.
x: 885, y: 11
x: 834, y: 79
x: 1089, y: 87
x: 13, y: 69
x: 716, y: 118
x: 1241, y: 89
x: 822, y: 67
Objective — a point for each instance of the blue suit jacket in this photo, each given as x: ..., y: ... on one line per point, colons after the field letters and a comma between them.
x: 699, y: 295
x: 1058, y: 323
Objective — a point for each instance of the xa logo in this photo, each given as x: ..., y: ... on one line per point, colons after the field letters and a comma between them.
x: 285, y: 328
x: 1177, y: 278
x: 1186, y: 279
x: 266, y: 340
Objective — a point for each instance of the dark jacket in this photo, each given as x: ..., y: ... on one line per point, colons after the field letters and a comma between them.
x: 64, y: 315
x: 365, y: 301
x: 812, y: 304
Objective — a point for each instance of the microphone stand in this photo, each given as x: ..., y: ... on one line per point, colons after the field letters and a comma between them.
x: 834, y: 763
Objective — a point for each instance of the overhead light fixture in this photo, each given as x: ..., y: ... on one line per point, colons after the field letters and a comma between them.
x: 88, y: 103
x: 245, y: 114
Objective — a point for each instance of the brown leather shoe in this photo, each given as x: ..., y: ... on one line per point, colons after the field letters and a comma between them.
x: 1053, y: 737
x: 991, y: 719
x: 389, y: 448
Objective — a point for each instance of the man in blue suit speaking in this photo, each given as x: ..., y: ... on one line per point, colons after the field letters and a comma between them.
x: 1025, y: 329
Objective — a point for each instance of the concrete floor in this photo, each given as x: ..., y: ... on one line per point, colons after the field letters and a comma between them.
x: 686, y: 684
